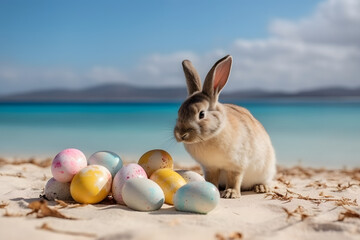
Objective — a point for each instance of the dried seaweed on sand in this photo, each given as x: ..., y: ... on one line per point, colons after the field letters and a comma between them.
x: 46, y: 227
x: 317, y: 184
x: 284, y: 181
x: 7, y: 214
x: 349, y: 213
x: 340, y: 202
x: 3, y: 204
x: 40, y: 163
x: 279, y: 196
x: 353, y: 173
x: 322, y: 194
x: 289, y: 195
x: 41, y: 209
x: 297, y: 171
x: 299, y: 211
x: 341, y: 187
x: 346, y: 201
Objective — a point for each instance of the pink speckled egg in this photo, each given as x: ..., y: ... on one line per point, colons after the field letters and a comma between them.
x: 67, y: 163
x: 127, y: 172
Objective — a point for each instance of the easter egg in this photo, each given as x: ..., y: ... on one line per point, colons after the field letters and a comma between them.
x: 57, y: 190
x: 169, y: 181
x: 67, y: 163
x: 91, y: 185
x: 127, y: 172
x: 107, y: 159
x: 142, y: 194
x: 154, y: 160
x: 197, y: 197
x: 190, y: 176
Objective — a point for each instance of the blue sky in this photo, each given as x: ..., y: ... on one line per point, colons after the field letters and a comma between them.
x: 94, y: 42
x: 82, y: 33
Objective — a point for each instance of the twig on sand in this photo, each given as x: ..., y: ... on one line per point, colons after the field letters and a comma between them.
x: 19, y: 175
x: 349, y: 213
x: 284, y: 181
x: 322, y: 194
x: 341, y: 187
x: 299, y: 211
x: 7, y: 214
x: 46, y: 227
x: 62, y: 204
x: 4, y: 204
x: 233, y: 236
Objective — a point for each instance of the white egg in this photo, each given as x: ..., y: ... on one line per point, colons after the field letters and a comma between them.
x: 57, y: 190
x: 190, y: 176
x: 142, y: 194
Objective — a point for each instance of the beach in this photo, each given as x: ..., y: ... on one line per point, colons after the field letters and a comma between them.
x: 112, y: 83
x: 305, y: 203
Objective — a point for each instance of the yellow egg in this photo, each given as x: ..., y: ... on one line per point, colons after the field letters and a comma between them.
x: 91, y: 185
x: 154, y: 160
x: 169, y: 181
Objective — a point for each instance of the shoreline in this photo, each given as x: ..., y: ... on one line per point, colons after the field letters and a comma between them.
x: 188, y: 163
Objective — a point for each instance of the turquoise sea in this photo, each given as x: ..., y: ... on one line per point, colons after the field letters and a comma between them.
x: 315, y: 133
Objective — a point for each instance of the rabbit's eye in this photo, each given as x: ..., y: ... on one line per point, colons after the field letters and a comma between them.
x: 201, y: 114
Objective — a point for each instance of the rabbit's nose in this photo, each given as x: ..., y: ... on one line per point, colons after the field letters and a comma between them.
x: 184, y: 136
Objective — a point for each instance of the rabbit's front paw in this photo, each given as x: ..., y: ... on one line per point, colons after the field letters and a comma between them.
x: 231, y: 193
x: 261, y: 188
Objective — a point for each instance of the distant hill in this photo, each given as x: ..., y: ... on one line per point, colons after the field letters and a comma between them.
x: 129, y: 93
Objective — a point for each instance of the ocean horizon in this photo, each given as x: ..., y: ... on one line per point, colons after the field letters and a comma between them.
x: 319, y: 133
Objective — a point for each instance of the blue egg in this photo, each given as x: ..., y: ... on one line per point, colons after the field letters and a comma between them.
x: 108, y: 159
x: 197, y: 197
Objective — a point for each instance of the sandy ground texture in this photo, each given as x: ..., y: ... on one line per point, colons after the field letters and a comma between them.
x: 305, y: 203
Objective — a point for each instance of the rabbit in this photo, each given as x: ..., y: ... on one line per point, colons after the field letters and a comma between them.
x: 223, y: 138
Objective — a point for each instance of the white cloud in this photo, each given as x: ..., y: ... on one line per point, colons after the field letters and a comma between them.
x: 292, y: 64
x: 334, y: 22
x: 322, y: 49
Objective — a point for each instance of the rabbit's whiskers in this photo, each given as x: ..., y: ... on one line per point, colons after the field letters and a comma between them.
x: 202, y: 140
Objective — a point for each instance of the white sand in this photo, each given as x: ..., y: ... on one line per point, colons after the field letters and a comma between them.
x: 253, y: 215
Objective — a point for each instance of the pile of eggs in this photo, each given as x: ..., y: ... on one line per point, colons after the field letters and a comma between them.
x: 144, y: 186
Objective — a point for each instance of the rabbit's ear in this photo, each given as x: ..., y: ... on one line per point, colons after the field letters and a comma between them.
x: 217, y: 77
x: 192, y: 77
